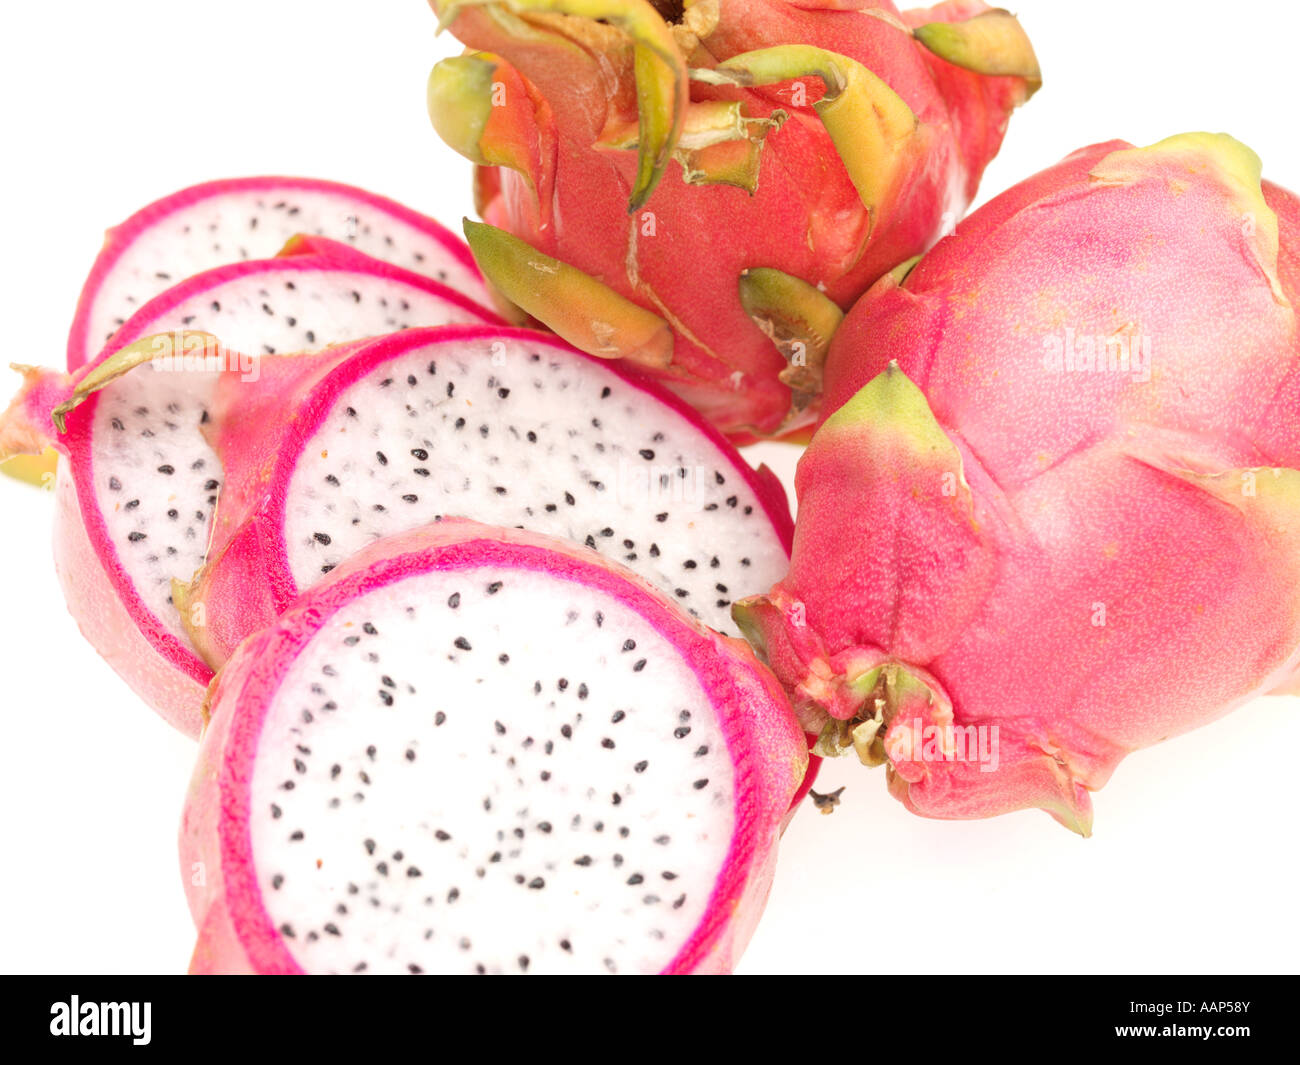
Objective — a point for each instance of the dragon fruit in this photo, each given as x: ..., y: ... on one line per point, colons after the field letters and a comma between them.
x: 136, y: 494
x: 468, y: 748
x: 347, y: 445
x: 228, y: 221
x: 511, y: 427
x: 821, y: 141
x: 1054, y: 514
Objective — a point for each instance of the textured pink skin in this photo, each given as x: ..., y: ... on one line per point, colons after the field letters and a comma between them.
x: 118, y: 239
x: 768, y: 749
x: 805, y: 218
x: 251, y: 581
x: 1078, y: 494
x: 170, y: 681
x: 162, y: 669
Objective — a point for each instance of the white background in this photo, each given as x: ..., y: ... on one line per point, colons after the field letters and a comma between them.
x: 1193, y: 864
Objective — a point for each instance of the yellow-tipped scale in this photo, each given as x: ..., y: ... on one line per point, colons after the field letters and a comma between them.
x: 587, y: 313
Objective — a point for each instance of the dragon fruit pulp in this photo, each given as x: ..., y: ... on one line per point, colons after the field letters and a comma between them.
x: 136, y: 494
x: 472, y: 749
x: 822, y: 142
x: 309, y: 457
x: 229, y: 221
x: 508, y: 426
x: 1054, y: 515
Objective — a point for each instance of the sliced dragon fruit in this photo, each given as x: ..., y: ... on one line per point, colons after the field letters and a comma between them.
x: 228, y: 221
x: 473, y: 750
x: 325, y: 452
x: 507, y: 426
x: 135, y: 497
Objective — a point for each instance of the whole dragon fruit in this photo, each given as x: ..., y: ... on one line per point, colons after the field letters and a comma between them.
x: 1054, y: 515
x: 638, y: 162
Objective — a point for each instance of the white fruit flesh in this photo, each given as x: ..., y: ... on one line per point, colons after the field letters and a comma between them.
x: 517, y: 434
x: 466, y: 745
x: 233, y: 226
x: 159, y: 522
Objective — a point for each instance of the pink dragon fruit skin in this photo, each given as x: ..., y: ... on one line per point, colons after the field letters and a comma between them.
x: 990, y: 535
x: 760, y: 185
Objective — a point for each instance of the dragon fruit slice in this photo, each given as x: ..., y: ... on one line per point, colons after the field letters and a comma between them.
x: 824, y: 140
x: 238, y: 219
x: 1054, y: 516
x: 477, y: 750
x: 511, y: 427
x: 136, y: 494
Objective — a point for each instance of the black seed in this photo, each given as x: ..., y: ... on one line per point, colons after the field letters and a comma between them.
x: 640, y: 767
x: 566, y: 731
x: 136, y: 537
x: 439, y: 718
x: 537, y: 883
x: 634, y: 879
x: 321, y: 538
x: 494, y: 587
x: 410, y: 498
x: 617, y: 716
x: 702, y: 783
x: 462, y: 643
x: 166, y: 469
x: 682, y: 732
